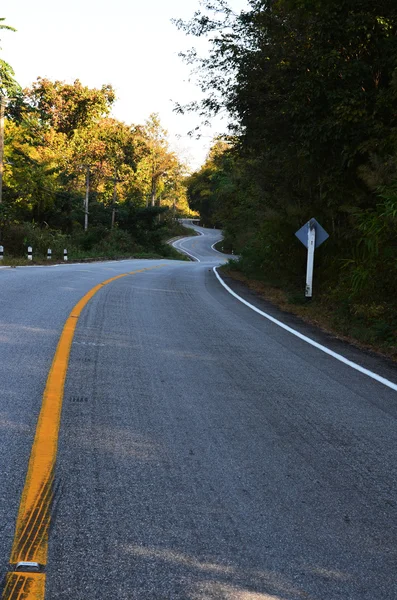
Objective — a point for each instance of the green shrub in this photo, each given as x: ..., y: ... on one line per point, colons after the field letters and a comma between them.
x: 17, y: 238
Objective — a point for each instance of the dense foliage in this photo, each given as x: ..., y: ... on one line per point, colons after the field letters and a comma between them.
x: 311, y: 88
x: 8, y: 85
x: 61, y: 145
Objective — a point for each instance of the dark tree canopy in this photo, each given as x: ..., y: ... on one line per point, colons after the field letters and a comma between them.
x: 311, y: 90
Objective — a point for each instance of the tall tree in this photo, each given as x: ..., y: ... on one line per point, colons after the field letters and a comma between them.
x: 8, y: 84
x: 311, y: 89
x: 158, y: 160
x: 67, y: 107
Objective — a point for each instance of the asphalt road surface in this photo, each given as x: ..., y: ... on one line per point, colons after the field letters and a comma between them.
x: 204, y: 452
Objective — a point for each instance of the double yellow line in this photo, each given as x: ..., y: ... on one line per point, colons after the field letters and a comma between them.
x: 31, y: 532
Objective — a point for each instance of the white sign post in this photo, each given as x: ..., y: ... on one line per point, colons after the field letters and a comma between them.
x: 311, y: 246
x: 312, y: 235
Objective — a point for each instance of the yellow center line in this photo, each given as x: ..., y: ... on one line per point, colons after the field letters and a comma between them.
x: 25, y: 586
x: 31, y: 531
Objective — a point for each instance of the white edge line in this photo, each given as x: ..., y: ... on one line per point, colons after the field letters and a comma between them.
x: 185, y: 251
x: 339, y: 357
x: 215, y: 250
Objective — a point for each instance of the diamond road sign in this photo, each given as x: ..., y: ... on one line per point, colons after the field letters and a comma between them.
x: 321, y: 234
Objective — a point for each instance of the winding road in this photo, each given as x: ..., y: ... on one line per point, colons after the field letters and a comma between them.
x: 198, y: 450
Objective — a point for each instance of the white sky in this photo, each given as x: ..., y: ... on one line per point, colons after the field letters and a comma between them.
x: 130, y: 44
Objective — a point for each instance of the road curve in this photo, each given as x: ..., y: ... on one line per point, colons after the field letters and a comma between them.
x: 204, y: 452
x: 200, y: 248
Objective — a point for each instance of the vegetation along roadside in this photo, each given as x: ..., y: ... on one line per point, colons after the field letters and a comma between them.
x: 311, y: 94
x: 73, y: 176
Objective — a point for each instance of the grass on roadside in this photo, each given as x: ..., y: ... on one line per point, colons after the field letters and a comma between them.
x: 368, y: 331
x: 76, y: 255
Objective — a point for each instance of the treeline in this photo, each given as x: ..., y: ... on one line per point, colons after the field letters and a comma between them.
x: 311, y: 87
x: 74, y: 175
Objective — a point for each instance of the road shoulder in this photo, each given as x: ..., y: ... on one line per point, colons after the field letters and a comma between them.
x: 367, y: 358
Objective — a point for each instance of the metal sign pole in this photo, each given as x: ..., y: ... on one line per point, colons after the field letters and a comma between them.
x: 311, y: 245
x: 312, y: 235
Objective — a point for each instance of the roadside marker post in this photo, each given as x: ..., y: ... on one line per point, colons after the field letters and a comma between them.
x: 311, y: 245
x: 30, y: 253
x: 65, y: 255
x: 1, y: 252
x: 312, y: 235
x: 49, y: 254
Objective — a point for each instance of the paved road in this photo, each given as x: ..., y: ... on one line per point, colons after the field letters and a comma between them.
x: 200, y: 248
x: 204, y: 452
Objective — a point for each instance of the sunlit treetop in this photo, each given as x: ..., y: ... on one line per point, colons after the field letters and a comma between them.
x: 8, y: 85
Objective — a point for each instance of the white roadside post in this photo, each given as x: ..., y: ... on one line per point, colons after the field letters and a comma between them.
x: 49, y: 254
x: 311, y: 246
x: 1, y: 252
x: 312, y: 235
x: 30, y: 253
x: 65, y: 255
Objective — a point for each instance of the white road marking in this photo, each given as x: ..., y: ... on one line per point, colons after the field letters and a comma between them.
x: 308, y: 340
x: 88, y: 344
x: 215, y: 250
x: 184, y: 250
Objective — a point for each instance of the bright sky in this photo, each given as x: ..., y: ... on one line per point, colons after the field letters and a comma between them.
x: 130, y: 44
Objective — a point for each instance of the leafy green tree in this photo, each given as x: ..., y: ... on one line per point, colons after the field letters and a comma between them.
x: 157, y: 162
x: 8, y: 85
x: 61, y: 141
x: 311, y: 89
x: 207, y: 187
x: 67, y: 107
x: 31, y: 174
